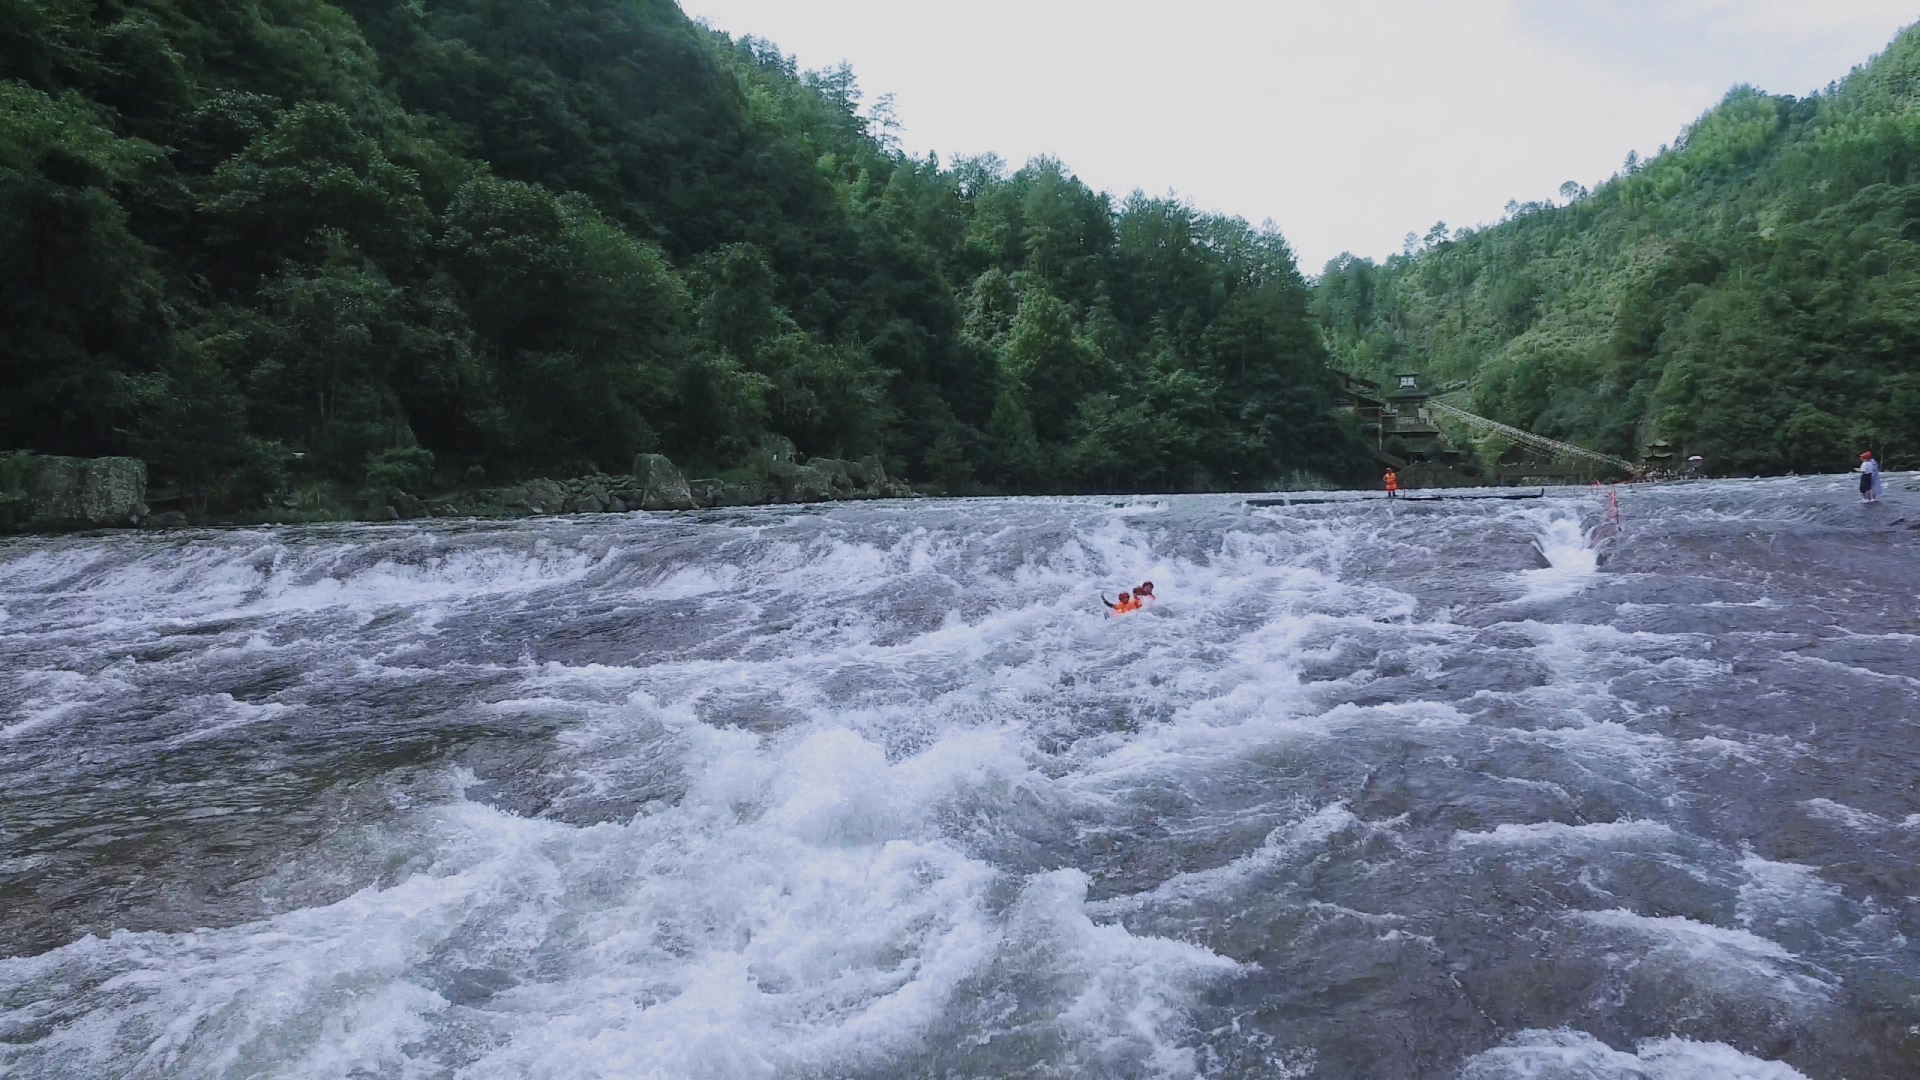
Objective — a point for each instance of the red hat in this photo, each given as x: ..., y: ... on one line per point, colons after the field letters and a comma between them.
x: 1867, y: 454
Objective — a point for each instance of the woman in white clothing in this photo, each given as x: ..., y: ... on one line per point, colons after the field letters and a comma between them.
x: 1870, y: 486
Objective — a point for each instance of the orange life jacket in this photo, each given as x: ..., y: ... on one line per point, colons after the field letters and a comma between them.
x: 1124, y: 606
x: 1393, y: 482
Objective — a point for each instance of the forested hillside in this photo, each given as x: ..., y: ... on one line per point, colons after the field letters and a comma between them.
x: 1751, y: 294
x: 488, y: 238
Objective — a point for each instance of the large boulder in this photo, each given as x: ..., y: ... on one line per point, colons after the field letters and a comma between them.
x: 539, y: 497
x: 588, y: 495
x: 779, y: 448
x: 590, y: 501
x: 406, y: 506
x: 869, y: 475
x: 661, y: 485
x: 16, y: 491
x: 805, y: 484
x: 747, y: 493
x: 838, y: 475
x: 65, y: 492
x: 863, y: 479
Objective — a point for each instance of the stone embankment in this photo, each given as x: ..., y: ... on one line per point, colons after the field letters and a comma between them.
x: 50, y: 494
x: 657, y: 484
x: 39, y: 492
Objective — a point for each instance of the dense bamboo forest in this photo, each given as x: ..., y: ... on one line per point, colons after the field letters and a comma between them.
x: 260, y: 242
x: 1750, y: 294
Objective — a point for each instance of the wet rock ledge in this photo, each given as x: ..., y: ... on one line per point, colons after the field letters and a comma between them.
x: 657, y: 484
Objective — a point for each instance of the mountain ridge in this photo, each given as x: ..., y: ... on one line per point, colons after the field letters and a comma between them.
x: 1748, y: 294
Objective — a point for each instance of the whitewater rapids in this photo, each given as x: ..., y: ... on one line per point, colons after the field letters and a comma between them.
x: 1441, y: 789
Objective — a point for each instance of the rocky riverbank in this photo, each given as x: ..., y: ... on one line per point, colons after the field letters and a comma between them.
x: 52, y: 494
x: 656, y: 483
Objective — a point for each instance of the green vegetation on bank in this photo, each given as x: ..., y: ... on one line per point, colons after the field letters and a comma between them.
x: 1751, y: 294
x: 274, y: 243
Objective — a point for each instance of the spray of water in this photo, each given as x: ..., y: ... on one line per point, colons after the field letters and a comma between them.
x: 874, y: 792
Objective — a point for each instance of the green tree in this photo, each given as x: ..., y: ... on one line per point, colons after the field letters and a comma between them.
x: 81, y: 305
x: 582, y: 322
x: 1746, y: 294
x: 516, y: 237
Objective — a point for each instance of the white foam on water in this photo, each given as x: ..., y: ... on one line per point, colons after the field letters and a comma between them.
x: 801, y: 907
x: 252, y: 574
x: 1628, y: 833
x: 818, y: 882
x: 1575, y: 1055
x: 38, y: 568
x: 1199, y: 743
x: 1718, y: 960
x: 1779, y: 895
x: 685, y: 582
x: 463, y: 574
x: 1687, y: 934
x: 1793, y: 903
x: 208, y: 716
x: 1123, y: 993
x: 1572, y: 560
x: 1288, y: 845
x: 1858, y: 820
x: 50, y: 696
x: 1852, y: 669
x: 1593, y: 653
x: 1633, y: 606
x: 810, y: 900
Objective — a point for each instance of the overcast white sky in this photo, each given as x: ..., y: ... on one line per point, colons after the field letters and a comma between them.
x: 1349, y: 122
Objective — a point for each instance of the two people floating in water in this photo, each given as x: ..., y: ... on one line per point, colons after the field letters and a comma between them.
x: 1131, y: 602
x: 1870, y: 483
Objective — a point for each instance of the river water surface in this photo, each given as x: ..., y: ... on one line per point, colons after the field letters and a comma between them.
x: 1454, y: 789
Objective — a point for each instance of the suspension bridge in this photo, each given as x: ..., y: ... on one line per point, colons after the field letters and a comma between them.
x: 1405, y: 423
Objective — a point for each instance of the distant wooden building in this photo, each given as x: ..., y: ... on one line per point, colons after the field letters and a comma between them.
x: 1402, y: 422
x: 1404, y: 433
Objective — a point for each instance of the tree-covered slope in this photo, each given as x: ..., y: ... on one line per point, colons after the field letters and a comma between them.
x: 1751, y: 294
x: 517, y: 237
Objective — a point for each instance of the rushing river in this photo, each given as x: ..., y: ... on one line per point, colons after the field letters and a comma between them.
x: 1485, y: 789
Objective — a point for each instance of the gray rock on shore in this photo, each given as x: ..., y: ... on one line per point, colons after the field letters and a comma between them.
x: 658, y: 484
x: 803, y: 483
x: 662, y: 487
x: 539, y: 497
x: 72, y: 493
x: 39, y: 492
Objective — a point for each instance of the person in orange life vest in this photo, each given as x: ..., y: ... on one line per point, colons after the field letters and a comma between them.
x: 1393, y: 484
x: 1125, y: 605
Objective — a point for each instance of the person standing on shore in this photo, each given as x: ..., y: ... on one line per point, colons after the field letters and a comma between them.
x: 1393, y: 484
x: 1870, y: 484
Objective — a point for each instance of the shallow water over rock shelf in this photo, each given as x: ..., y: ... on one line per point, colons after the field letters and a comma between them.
x: 877, y: 790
